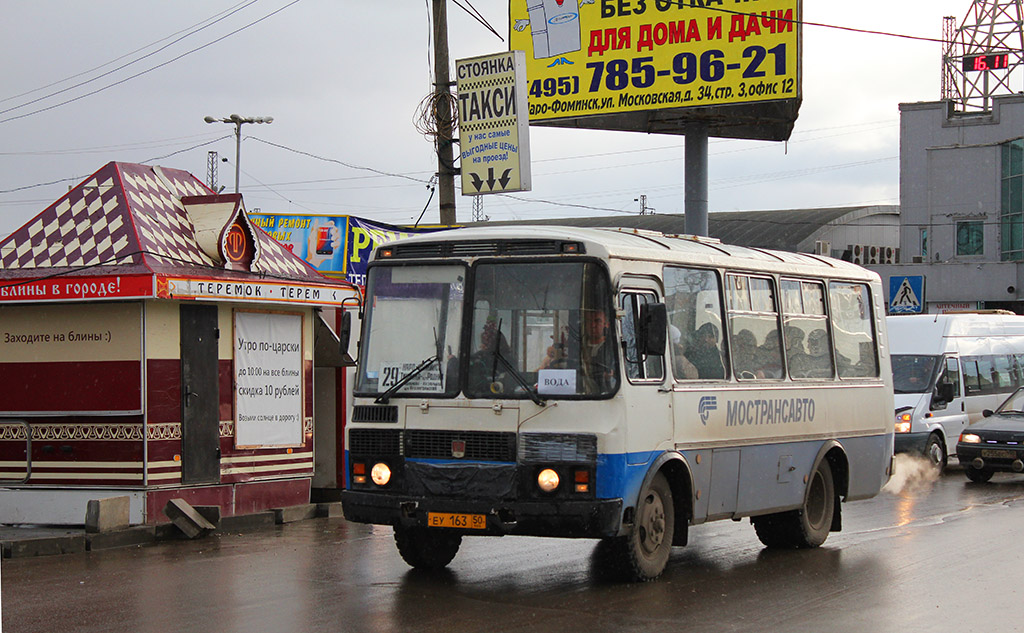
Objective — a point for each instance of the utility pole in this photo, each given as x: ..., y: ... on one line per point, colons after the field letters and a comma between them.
x: 443, y: 114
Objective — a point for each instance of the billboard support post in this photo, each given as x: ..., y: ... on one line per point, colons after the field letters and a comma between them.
x: 696, y: 179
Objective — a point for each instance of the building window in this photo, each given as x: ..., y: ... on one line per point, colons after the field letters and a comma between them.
x: 1012, y: 205
x: 970, y: 238
x: 924, y: 245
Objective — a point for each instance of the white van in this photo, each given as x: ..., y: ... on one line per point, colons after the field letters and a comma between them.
x: 947, y: 369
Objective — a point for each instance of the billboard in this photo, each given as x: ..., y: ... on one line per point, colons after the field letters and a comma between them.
x: 654, y: 65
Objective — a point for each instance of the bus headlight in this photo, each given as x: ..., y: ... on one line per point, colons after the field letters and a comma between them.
x: 380, y: 474
x: 547, y: 480
x: 903, y: 422
x: 970, y: 438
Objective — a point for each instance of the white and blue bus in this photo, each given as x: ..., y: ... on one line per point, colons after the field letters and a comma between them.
x: 613, y: 384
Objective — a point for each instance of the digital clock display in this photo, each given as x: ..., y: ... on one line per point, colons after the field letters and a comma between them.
x: 975, y: 63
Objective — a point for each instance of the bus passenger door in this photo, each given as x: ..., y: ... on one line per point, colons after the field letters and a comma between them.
x: 648, y: 403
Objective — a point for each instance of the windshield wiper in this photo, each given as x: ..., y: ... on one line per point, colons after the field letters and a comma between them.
x: 393, y: 389
x: 510, y: 368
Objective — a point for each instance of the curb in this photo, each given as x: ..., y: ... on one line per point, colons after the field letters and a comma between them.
x: 29, y: 547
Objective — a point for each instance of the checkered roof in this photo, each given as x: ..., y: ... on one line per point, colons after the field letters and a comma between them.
x: 130, y: 216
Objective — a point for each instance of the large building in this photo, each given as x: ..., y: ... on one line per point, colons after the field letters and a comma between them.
x: 962, y: 205
x: 865, y: 235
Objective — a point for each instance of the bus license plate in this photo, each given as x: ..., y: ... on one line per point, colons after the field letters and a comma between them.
x: 996, y: 453
x: 462, y: 521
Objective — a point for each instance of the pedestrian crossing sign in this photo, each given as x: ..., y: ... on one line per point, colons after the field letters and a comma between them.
x: 906, y: 294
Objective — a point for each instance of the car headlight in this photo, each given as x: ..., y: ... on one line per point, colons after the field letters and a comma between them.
x: 380, y: 474
x: 903, y: 422
x: 970, y: 438
x: 547, y: 480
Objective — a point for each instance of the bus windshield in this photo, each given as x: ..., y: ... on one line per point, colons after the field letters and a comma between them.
x: 547, y: 325
x: 415, y: 317
x: 912, y: 373
x: 535, y: 330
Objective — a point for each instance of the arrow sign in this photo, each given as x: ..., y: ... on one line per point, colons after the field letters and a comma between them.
x: 494, y: 129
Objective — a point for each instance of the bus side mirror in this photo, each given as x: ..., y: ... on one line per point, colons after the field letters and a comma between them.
x: 653, y: 329
x: 345, y: 332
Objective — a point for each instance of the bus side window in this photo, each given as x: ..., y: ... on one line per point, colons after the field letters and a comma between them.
x: 805, y: 320
x: 638, y: 367
x: 693, y: 300
x: 852, y: 333
x: 754, y: 320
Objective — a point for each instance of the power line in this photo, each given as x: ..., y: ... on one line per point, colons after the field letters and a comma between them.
x: 476, y: 15
x: 683, y: 3
x: 144, y: 72
x: 338, y: 162
x: 122, y: 66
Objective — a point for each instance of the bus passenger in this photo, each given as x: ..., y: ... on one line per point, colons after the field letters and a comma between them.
x: 681, y: 366
x: 598, y: 352
x: 744, y: 356
x: 706, y: 355
x: 819, y: 362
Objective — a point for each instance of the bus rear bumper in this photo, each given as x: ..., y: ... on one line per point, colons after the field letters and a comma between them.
x: 593, y: 518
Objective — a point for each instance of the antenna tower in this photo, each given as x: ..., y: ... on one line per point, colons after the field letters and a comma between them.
x: 211, y: 170
x: 478, y: 209
x: 980, y: 58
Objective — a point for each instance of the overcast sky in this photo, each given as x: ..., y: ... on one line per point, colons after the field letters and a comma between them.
x: 343, y: 79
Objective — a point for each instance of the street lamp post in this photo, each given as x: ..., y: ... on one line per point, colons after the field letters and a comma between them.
x: 237, y: 121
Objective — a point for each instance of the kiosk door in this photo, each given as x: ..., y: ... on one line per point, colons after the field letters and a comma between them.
x: 200, y: 397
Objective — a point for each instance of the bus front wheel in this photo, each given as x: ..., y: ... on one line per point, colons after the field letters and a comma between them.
x: 643, y: 554
x: 807, y: 527
x: 426, y: 548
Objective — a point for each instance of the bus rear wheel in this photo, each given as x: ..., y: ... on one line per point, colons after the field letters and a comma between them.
x: 426, y: 548
x: 643, y: 554
x: 807, y: 527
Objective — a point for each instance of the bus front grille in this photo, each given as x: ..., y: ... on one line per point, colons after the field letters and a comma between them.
x: 469, y: 445
x: 374, y: 413
x: 376, y: 442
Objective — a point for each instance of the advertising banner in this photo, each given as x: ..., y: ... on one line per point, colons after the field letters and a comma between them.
x: 600, y: 57
x: 366, y: 235
x: 268, y: 392
x: 253, y: 291
x: 337, y: 246
x: 320, y: 240
x: 72, y: 288
x: 82, y: 360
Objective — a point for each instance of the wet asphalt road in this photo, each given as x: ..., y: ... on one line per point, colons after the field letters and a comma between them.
x: 939, y: 556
